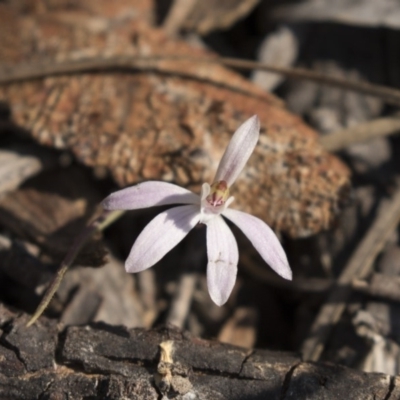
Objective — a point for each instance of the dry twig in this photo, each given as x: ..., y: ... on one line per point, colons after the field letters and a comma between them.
x: 96, y: 226
x: 177, y: 15
x: 43, y: 69
x: 360, y: 133
x: 358, y: 267
x: 147, y: 290
x: 380, y: 285
x: 183, y: 299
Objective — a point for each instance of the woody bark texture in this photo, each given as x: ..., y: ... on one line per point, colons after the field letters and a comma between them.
x: 47, y: 361
x: 170, y: 122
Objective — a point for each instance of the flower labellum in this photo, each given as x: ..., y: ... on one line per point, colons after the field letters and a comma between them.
x: 168, y: 228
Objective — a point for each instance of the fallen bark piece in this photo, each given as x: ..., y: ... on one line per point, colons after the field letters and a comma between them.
x: 10, y: 365
x: 311, y: 381
x: 170, y: 122
x: 35, y: 348
x: 51, y: 210
x: 104, y: 361
x: 79, y: 386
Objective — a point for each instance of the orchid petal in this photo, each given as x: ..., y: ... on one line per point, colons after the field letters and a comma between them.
x: 161, y: 235
x: 263, y: 239
x: 149, y: 194
x: 238, y: 151
x: 205, y: 191
x: 223, y: 256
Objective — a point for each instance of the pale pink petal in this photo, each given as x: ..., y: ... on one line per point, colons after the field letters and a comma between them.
x: 149, y: 194
x: 205, y: 191
x: 161, y: 235
x: 238, y: 151
x: 223, y: 258
x: 263, y: 239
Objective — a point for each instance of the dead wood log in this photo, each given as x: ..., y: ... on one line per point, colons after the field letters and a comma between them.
x: 101, y: 361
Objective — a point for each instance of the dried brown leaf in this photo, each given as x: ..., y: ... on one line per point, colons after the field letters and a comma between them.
x: 170, y: 126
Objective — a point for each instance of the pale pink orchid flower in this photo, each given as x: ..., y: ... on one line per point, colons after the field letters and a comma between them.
x: 168, y: 228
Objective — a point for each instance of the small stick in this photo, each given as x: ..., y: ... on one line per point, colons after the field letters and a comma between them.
x: 183, y: 299
x: 37, y: 70
x: 361, y: 133
x: 192, y: 259
x: 100, y: 223
x: 379, y: 285
x: 177, y: 15
x: 148, y: 293
x: 359, y: 265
